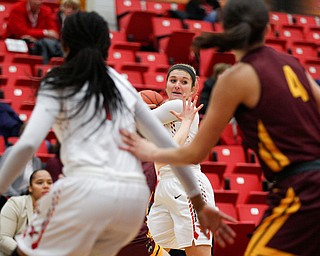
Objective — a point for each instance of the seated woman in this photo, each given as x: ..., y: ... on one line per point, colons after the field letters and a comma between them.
x: 18, y: 210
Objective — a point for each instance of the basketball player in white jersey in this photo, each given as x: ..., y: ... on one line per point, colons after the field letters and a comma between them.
x: 100, y: 204
x: 173, y: 221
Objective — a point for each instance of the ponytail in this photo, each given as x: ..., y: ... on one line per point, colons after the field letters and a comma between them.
x: 234, y: 38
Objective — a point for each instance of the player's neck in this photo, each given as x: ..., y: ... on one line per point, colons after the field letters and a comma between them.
x: 239, y: 53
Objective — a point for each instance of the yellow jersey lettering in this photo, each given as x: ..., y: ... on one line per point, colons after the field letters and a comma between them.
x: 296, y: 88
x: 269, y: 152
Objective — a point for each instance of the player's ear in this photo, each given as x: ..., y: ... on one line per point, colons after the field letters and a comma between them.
x: 29, y: 189
x: 267, y: 30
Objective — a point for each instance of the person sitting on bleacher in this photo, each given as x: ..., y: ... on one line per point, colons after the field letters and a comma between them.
x: 19, y: 210
x: 20, y: 184
x: 33, y: 22
x: 196, y: 11
x: 67, y: 7
x: 10, y: 123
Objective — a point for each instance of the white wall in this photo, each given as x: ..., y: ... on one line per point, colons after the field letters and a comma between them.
x: 105, y: 8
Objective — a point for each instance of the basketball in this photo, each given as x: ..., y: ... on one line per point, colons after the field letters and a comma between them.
x: 151, y: 97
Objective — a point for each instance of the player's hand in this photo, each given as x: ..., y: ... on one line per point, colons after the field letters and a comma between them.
x: 189, y: 109
x: 213, y: 220
x: 137, y: 146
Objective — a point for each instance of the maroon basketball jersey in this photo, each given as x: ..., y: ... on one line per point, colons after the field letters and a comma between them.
x: 284, y: 128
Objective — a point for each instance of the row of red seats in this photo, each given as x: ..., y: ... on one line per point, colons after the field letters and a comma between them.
x: 280, y: 18
x: 146, y: 70
x: 244, y: 212
x: 296, y: 34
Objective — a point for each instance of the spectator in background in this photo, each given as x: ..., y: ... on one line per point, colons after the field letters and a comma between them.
x: 196, y: 10
x: 10, y: 123
x: 18, y: 210
x: 218, y: 69
x: 21, y: 183
x: 54, y: 165
x: 33, y: 22
x: 67, y: 7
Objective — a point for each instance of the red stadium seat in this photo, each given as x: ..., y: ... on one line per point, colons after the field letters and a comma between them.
x: 235, y: 158
x: 24, y: 114
x: 303, y: 50
x: 214, y: 167
x: 228, y: 208
x: 209, y: 57
x: 291, y: 33
x: 231, y: 135
x: 133, y: 66
x: 199, y: 25
x: 277, y: 44
x: 157, y: 62
x: 135, y: 77
x: 177, y: 46
x: 138, y: 27
x: 15, y: 69
x: 161, y: 8
x: 41, y: 70
x: 217, y: 27
x: 5, y: 8
x: 163, y: 27
x: 244, y: 231
x: 20, y: 95
x: 243, y: 183
x: 14, y: 72
x: 42, y: 152
x: 118, y: 57
x: 31, y: 60
x: 214, y: 180
x: 277, y: 19
x: 7, y: 56
x: 305, y: 20
x: 124, y: 7
x: 313, y: 34
x: 119, y: 41
x: 257, y: 197
x: 155, y: 81
x: 313, y: 67
x: 251, y: 212
x: 2, y: 145
x: 6, y: 101
x: 226, y: 196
